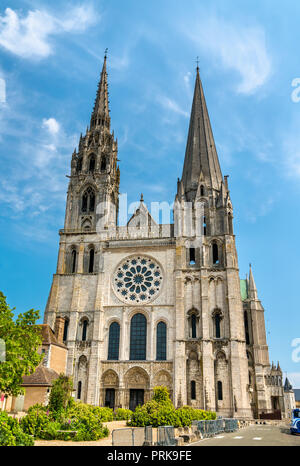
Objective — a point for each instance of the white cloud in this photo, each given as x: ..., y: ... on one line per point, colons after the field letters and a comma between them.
x: 52, y: 125
x: 171, y: 105
x: 29, y: 36
x: 236, y: 47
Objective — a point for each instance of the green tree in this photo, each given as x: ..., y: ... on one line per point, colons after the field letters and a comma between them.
x: 22, y: 339
x: 60, y: 395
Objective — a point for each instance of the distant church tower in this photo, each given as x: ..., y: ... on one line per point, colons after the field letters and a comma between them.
x: 147, y: 304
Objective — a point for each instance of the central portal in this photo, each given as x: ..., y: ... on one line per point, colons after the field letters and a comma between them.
x: 136, y: 398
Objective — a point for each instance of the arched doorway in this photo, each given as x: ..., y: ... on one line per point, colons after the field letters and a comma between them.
x: 110, y: 389
x: 137, y: 387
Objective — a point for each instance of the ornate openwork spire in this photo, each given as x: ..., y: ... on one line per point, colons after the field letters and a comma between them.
x: 100, y: 115
x: 201, y: 154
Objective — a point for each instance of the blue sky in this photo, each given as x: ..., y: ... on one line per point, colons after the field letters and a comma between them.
x: 50, y: 59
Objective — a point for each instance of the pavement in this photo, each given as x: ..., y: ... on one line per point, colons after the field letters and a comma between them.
x: 253, y: 435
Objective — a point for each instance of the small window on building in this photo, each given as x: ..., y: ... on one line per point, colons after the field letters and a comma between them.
x: 217, y: 326
x: 73, y: 268
x: 220, y: 391
x: 193, y: 390
x: 91, y: 260
x: 246, y: 328
x: 194, y: 326
x: 84, y: 330
x: 204, y: 227
x: 66, y: 327
x: 215, y: 254
x: 202, y: 190
x: 79, y: 386
x: 192, y: 256
x: 161, y: 342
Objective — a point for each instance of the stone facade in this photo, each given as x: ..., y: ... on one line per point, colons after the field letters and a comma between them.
x: 176, y: 275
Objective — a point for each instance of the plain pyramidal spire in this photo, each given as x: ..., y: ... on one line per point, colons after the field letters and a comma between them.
x: 100, y: 115
x: 201, y: 154
x: 252, y: 285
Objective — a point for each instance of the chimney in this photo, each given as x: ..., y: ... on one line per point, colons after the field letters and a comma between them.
x: 59, y: 329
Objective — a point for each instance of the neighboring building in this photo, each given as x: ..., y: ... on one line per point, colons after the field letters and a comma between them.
x: 38, y: 385
x: 148, y: 304
x: 289, y: 398
x: 297, y: 397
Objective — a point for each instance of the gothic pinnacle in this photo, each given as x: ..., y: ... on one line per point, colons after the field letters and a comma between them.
x: 100, y: 115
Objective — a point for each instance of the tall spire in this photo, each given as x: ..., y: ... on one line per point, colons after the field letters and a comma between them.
x: 201, y: 154
x: 252, y: 286
x: 100, y: 115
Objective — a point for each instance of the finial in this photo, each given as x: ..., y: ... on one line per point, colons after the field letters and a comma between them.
x: 105, y: 53
x: 197, y: 61
x: 142, y: 198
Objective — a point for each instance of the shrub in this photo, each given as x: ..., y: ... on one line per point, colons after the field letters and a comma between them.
x: 161, y: 395
x: 122, y: 414
x: 105, y: 414
x: 161, y: 412
x: 11, y: 433
x: 89, y: 427
x: 35, y: 421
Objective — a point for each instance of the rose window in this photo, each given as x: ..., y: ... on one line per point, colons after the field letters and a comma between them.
x: 137, y: 280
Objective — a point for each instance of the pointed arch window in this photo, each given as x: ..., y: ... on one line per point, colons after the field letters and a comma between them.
x: 114, y: 342
x: 204, y: 226
x: 66, y: 328
x: 73, y: 260
x: 202, y: 190
x: 92, y: 163
x: 79, y: 387
x: 194, y: 325
x: 138, y: 337
x: 91, y: 260
x: 217, y: 326
x: 193, y: 390
x: 220, y: 391
x: 215, y: 254
x: 88, y: 201
x: 246, y: 324
x: 84, y: 330
x: 161, y: 342
x: 192, y: 252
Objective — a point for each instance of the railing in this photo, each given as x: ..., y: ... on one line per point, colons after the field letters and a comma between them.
x: 212, y: 428
x: 132, y: 436
x: 166, y: 436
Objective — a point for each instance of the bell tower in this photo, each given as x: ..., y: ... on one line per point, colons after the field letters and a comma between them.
x: 92, y: 200
x: 210, y: 336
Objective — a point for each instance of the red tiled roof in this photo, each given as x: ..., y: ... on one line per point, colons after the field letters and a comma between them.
x: 42, y: 376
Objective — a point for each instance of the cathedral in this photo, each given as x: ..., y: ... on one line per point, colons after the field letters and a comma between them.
x: 148, y: 304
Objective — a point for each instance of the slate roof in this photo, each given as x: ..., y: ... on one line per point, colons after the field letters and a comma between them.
x: 297, y: 394
x: 43, y: 376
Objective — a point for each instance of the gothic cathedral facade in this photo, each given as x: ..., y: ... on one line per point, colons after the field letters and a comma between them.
x: 148, y: 304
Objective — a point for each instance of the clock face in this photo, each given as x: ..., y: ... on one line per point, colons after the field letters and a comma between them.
x: 137, y: 280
